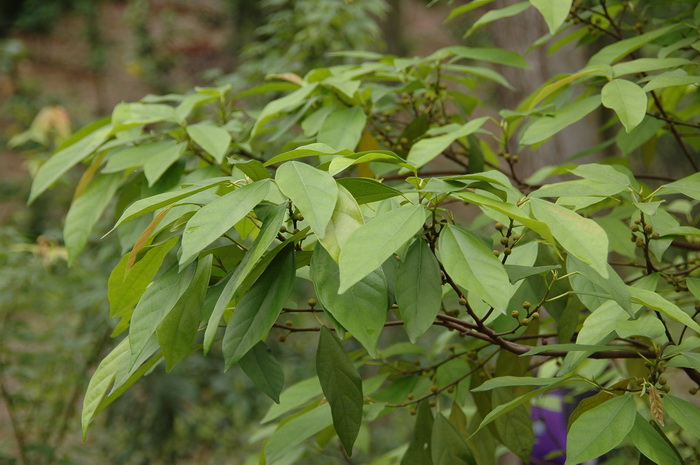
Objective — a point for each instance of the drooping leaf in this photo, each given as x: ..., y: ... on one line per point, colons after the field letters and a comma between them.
x: 614, y: 52
x: 264, y: 370
x: 515, y: 430
x: 366, y: 190
x: 473, y: 266
x: 292, y: 433
x: 215, y: 218
x: 419, y: 450
x: 627, y: 99
x: 545, y: 126
x: 346, y: 218
x: 653, y: 443
x: 361, y: 309
x: 494, y: 15
x: 684, y: 413
x: 178, y: 330
x: 656, y: 302
x: 294, y: 397
x: 343, y: 128
x: 600, y: 429
x: 418, y: 289
x: 258, y: 309
x: 313, y: 192
x: 267, y: 234
x: 427, y: 149
x: 372, y: 243
x: 342, y: 387
x: 280, y: 105
x: 554, y: 12
x: 448, y: 446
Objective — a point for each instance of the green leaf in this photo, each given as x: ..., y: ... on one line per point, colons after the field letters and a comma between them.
x: 644, y: 65
x: 346, y: 218
x: 267, y: 234
x: 646, y: 326
x: 254, y: 169
x: 652, y: 443
x: 264, y: 370
x: 614, y: 52
x: 343, y: 128
x: 581, y: 237
x: 518, y: 272
x: 361, y: 309
x: 155, y: 304
x: 427, y: 149
x: 294, y: 397
x: 587, y: 279
x: 448, y: 446
x: 492, y: 55
x: 292, y: 433
x: 215, y: 218
x: 159, y: 162
x: 663, y: 80
x: 473, y: 266
x: 258, y: 309
x: 155, y: 202
x: 213, y: 139
x: 178, y: 330
x: 495, y: 15
x: 65, y: 159
x: 310, y: 150
x: 371, y: 244
x: 554, y: 13
x: 627, y: 99
x: 510, y: 381
x: 342, y: 387
x: 419, y: 450
x: 656, y: 302
x: 515, y: 431
x: 688, y: 186
x: 128, y: 115
x: 86, y: 210
x: 545, y: 127
x: 314, y: 193
x: 684, y: 413
x: 367, y: 190
x: 600, y: 429
x: 125, y: 287
x: 418, y: 289
x: 101, y: 381
x: 274, y: 108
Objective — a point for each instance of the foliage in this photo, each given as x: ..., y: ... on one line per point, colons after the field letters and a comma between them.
x: 350, y: 191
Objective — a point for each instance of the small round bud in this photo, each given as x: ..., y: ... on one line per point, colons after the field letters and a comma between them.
x: 434, y: 388
x: 410, y: 396
x: 412, y: 412
x: 516, y: 237
x: 403, y: 140
x: 535, y: 315
x: 692, y: 391
x: 431, y: 403
x: 525, y: 321
x: 648, y: 229
x: 504, y: 241
x: 507, y: 251
x: 471, y: 355
x: 639, y: 242
x: 282, y: 338
x: 506, y: 156
x: 288, y: 323
x: 283, y: 229
x: 515, y: 314
x: 500, y: 226
x: 633, y: 238
x: 637, y: 221
x: 387, y: 128
x: 666, y: 388
x: 312, y: 302
x: 662, y: 381
x: 496, y: 252
x: 295, y: 230
x: 655, y: 235
x: 516, y: 158
x: 463, y: 301
x: 527, y: 305
x: 399, y: 147
x: 634, y: 228
x: 299, y: 217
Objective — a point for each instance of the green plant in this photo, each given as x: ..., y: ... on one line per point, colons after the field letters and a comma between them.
x: 350, y: 190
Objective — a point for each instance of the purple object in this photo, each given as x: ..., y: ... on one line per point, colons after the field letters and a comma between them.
x: 550, y: 433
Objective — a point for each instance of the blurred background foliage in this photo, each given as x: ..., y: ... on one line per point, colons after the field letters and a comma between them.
x: 66, y: 62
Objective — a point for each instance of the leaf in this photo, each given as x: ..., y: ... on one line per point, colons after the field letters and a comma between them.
x: 554, y: 13
x: 627, y: 99
x: 581, y: 237
x: 86, y: 210
x: 494, y: 15
x: 418, y: 289
x: 292, y: 433
x: 314, y: 193
x: 159, y: 162
x: 346, y: 218
x: 652, y: 443
x: 656, y: 407
x: 157, y: 301
x: 600, y: 429
x: 264, y: 370
x: 213, y: 139
x: 178, y: 330
x: 63, y: 160
x: 587, y: 404
x: 274, y: 108
x: 545, y: 127
x: 518, y: 272
x: 614, y: 52
x: 684, y: 413
x: 515, y: 431
x: 215, y: 218
x: 155, y: 202
x: 510, y: 381
x: 688, y: 186
x: 129, y: 115
x: 258, y: 309
x: 492, y: 55
x: 656, y: 302
x: 361, y: 309
x: 419, y: 448
x: 294, y: 397
x: 473, y: 266
x: 366, y: 190
x: 644, y: 65
x: 425, y: 150
x: 343, y: 128
x: 342, y: 387
x: 267, y: 234
x: 448, y: 446
x: 310, y: 150
x: 587, y: 279
x: 101, y: 381
x: 126, y: 285
x: 254, y: 169
x: 372, y: 243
